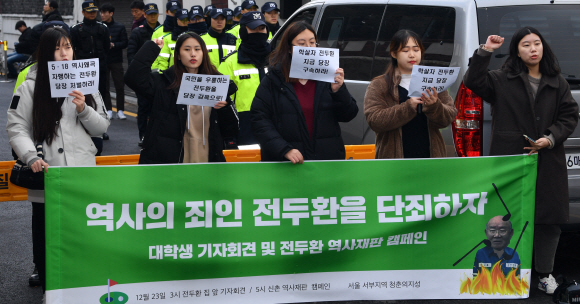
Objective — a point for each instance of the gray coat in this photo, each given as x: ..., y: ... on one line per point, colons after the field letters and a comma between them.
x: 515, y: 112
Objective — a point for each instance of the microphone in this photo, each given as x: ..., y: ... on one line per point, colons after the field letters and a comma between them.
x: 487, y: 243
x: 508, y: 215
x: 508, y: 256
x: 419, y: 108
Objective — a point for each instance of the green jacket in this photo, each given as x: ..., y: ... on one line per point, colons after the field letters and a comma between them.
x: 213, y: 49
x: 247, y: 78
x: 22, y: 76
x: 165, y: 58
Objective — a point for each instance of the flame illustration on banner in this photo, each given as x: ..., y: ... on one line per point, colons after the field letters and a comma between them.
x: 494, y: 282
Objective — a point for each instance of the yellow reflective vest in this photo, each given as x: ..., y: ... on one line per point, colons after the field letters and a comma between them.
x: 247, y: 78
x: 165, y: 58
x: 213, y: 49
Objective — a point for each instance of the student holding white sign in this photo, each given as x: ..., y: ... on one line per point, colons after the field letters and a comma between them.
x: 177, y: 133
x: 63, y: 126
x: 297, y: 119
x: 401, y: 131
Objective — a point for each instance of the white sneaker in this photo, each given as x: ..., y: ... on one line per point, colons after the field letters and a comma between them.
x: 548, y: 284
x: 110, y: 113
x: 121, y: 115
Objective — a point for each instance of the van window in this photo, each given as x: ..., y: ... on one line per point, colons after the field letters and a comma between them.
x: 558, y: 24
x: 306, y: 15
x: 353, y: 30
x: 435, y: 26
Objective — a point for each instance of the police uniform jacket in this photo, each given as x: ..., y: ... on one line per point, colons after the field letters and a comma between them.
x: 279, y: 125
x: 71, y: 147
x: 163, y: 142
x: 219, y: 45
x: 138, y: 37
x: 245, y: 75
x: 91, y: 39
x: 119, y: 39
x: 553, y: 112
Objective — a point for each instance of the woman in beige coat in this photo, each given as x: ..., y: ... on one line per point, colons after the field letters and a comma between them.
x: 401, y: 131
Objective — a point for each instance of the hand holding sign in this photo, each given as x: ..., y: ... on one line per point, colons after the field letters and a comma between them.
x: 79, y: 100
x: 424, y: 77
x: 68, y: 76
x: 338, y: 80
x: 204, y: 90
x: 316, y: 64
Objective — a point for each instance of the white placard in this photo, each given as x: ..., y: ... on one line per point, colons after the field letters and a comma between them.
x: 314, y: 63
x: 80, y: 75
x: 203, y: 90
x: 424, y: 77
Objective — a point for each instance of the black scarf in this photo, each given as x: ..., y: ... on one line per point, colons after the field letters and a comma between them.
x: 254, y: 47
x: 178, y: 30
x: 199, y: 28
x: 273, y: 28
x: 169, y: 24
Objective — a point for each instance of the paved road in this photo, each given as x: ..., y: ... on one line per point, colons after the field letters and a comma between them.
x: 15, y: 236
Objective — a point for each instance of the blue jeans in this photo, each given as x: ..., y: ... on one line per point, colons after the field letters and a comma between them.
x: 13, y: 58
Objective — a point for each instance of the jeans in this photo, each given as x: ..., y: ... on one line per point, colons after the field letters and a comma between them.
x: 13, y: 58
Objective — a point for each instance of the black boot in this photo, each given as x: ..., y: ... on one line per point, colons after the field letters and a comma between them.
x: 34, y: 280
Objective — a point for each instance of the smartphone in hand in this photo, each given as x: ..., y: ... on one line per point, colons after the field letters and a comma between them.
x: 529, y: 138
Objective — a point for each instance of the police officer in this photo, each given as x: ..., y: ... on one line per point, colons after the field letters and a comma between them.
x: 170, y: 8
x: 91, y: 39
x: 138, y: 37
x: 272, y: 14
x: 165, y: 58
x: 229, y: 18
x: 247, y: 6
x: 246, y: 67
x: 197, y: 22
x: 236, y: 16
x: 219, y: 43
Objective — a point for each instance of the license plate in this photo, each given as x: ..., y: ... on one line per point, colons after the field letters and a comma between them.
x: 573, y: 161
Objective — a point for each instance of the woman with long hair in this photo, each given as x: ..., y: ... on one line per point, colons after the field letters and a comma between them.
x: 297, y: 119
x: 179, y: 133
x: 402, y: 130
x: 529, y: 96
x: 63, y: 126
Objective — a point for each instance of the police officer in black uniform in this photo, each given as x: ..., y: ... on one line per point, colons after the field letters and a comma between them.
x: 91, y: 39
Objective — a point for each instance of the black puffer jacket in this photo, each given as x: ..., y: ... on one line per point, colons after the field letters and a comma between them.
x: 138, y: 37
x: 279, y: 125
x: 26, y: 43
x: 163, y: 143
x: 119, y: 39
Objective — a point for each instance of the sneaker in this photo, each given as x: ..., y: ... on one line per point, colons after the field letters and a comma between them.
x: 120, y: 115
x: 548, y: 284
x: 105, y: 136
x: 140, y: 142
x: 110, y: 113
x: 34, y: 280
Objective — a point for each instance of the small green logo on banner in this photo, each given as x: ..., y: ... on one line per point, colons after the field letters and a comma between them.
x: 116, y: 297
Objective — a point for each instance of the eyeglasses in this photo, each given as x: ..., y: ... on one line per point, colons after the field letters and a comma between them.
x: 500, y: 231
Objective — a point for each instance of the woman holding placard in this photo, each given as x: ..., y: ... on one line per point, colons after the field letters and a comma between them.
x: 401, y: 131
x: 297, y: 119
x: 63, y: 126
x: 532, y: 111
x: 178, y: 133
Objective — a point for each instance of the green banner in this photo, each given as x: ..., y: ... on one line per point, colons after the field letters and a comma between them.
x: 277, y: 232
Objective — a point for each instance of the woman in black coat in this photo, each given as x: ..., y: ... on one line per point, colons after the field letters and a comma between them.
x: 170, y: 138
x: 297, y: 119
x: 529, y: 96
